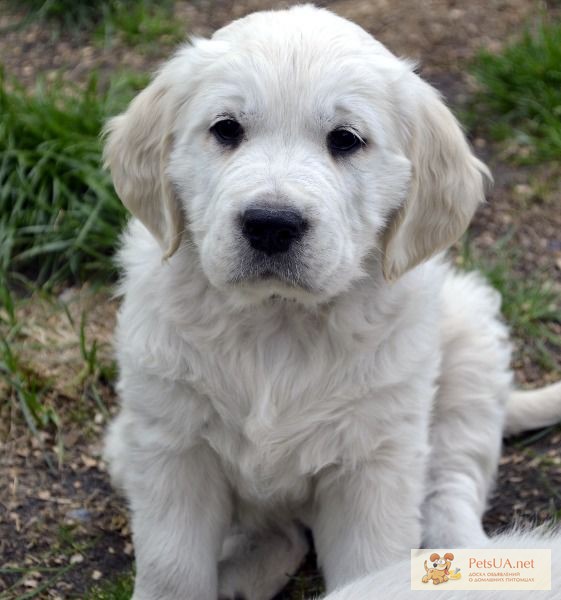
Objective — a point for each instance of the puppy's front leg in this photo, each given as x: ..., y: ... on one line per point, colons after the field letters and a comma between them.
x: 180, y: 509
x: 366, y: 517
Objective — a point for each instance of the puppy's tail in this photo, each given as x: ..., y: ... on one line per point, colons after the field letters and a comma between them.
x: 533, y: 409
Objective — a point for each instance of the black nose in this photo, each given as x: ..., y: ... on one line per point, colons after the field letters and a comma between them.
x: 272, y: 231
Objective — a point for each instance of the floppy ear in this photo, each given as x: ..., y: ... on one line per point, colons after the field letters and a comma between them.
x: 137, y: 147
x: 448, y: 556
x: 434, y: 556
x: 446, y: 187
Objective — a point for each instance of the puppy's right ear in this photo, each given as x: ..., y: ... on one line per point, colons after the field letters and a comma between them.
x: 434, y: 556
x: 447, y: 186
x: 138, y: 143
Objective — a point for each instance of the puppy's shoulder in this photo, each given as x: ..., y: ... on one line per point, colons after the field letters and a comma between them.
x: 138, y: 258
x: 161, y: 299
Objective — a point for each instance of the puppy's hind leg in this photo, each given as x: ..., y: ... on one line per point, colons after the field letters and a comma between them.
x: 258, y: 566
x: 468, y: 417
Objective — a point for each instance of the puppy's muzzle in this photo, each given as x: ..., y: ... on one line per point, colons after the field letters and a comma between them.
x: 272, y: 230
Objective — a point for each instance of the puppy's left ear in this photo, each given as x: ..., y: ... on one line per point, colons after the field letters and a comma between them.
x: 448, y: 556
x: 137, y: 148
x: 448, y: 183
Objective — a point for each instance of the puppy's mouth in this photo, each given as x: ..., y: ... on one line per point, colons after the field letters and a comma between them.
x: 275, y: 273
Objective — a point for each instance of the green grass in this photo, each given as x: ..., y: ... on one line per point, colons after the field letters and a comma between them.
x: 65, y: 544
x: 119, y: 589
x: 59, y: 215
x: 520, y: 97
x: 530, y: 304
x: 145, y: 25
x: 27, y: 388
x: 68, y: 13
x: 138, y: 20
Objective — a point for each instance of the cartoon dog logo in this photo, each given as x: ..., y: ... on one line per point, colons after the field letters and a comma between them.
x: 439, y: 571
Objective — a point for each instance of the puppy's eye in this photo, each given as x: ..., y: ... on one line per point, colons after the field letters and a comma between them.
x: 343, y: 141
x: 227, y: 131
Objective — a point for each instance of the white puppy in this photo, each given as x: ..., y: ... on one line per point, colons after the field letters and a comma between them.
x: 289, y: 351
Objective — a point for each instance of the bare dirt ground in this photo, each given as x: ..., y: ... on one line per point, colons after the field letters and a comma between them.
x: 60, y: 523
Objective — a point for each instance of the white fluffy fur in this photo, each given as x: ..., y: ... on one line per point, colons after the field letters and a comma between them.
x: 363, y: 408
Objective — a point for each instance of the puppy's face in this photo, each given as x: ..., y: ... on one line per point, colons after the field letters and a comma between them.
x: 286, y: 161
x: 289, y: 151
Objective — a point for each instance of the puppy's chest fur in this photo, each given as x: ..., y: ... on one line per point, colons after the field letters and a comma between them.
x: 294, y: 400
x: 286, y: 392
x: 281, y: 400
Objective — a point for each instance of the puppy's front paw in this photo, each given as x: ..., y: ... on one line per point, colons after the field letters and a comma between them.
x: 258, y: 568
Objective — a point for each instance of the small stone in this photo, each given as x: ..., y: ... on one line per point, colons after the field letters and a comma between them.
x: 523, y: 190
x: 88, y: 461
x: 79, y: 514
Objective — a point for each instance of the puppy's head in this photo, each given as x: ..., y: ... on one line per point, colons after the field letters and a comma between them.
x: 294, y: 152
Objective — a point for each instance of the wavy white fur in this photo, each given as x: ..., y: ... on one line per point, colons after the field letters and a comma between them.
x: 360, y: 392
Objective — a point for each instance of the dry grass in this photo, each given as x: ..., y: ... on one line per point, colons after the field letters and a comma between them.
x: 48, y: 341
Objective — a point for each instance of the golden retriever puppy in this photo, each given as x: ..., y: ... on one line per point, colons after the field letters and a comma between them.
x: 289, y: 325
